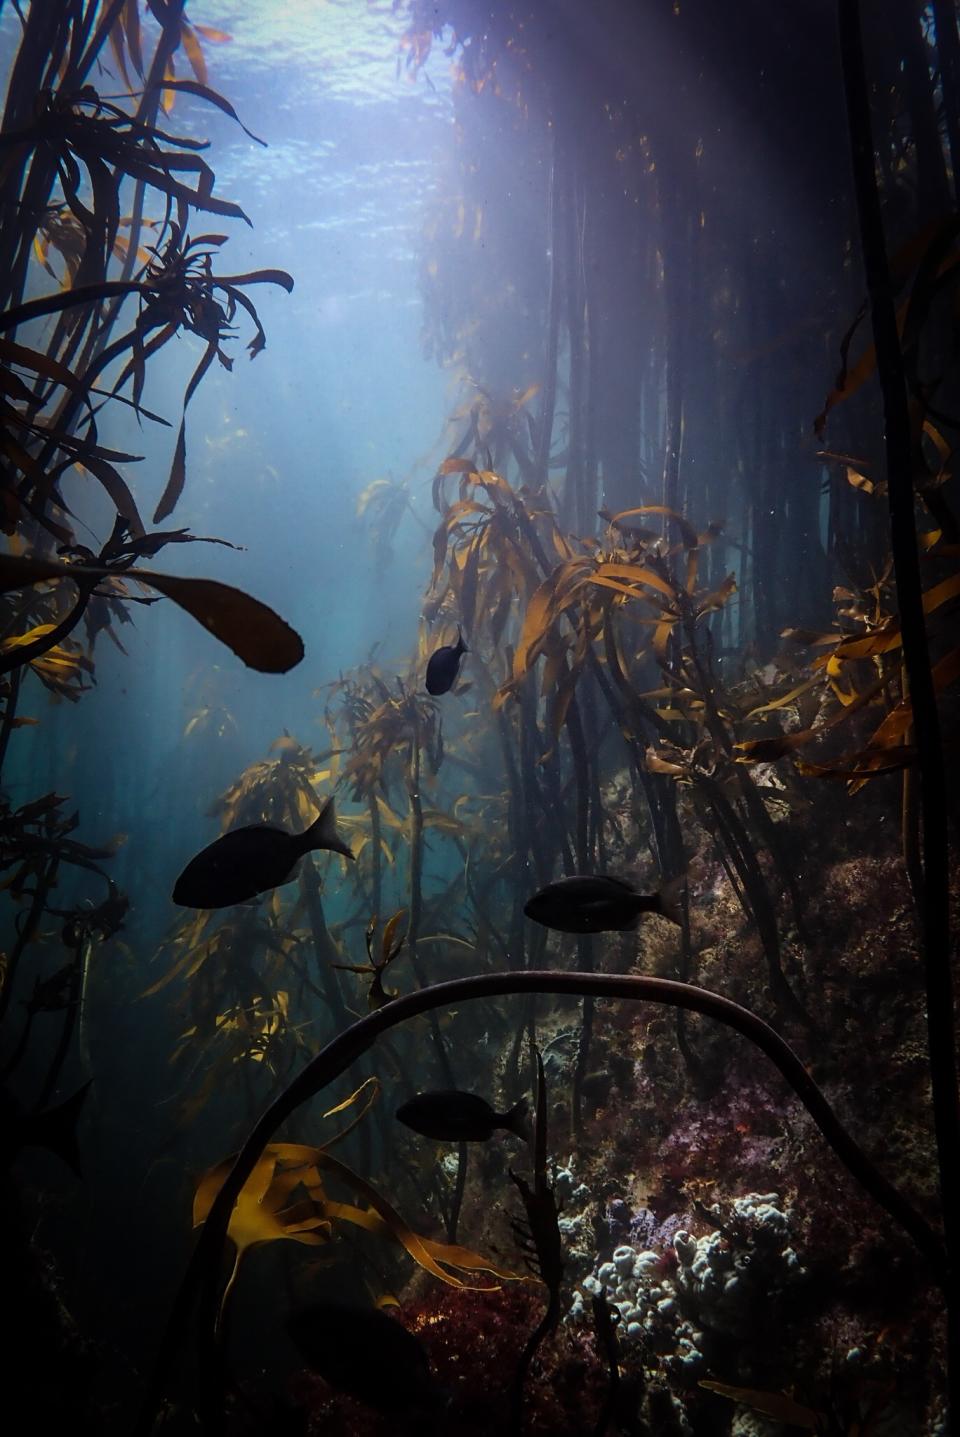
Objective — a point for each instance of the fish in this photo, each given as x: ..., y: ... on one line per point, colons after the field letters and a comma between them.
x: 444, y: 665
x: 247, y: 861
x: 598, y: 903
x: 363, y: 1352
x: 54, y: 1128
x: 450, y: 1116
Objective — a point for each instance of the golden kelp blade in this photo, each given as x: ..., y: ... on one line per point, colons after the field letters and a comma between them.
x: 773, y: 1404
x: 372, y: 1088
x: 263, y: 1211
x: 193, y: 52
x: 254, y: 632
x: 886, y: 638
x: 869, y: 763
x: 691, y: 538
x: 895, y: 727
x: 784, y: 699
x: 428, y: 1254
x: 656, y: 764
x: 389, y: 932
x: 545, y: 605
x: 634, y: 574
x: 216, y: 37
x: 19, y: 640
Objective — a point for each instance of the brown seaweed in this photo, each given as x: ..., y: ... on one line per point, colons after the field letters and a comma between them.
x: 253, y: 631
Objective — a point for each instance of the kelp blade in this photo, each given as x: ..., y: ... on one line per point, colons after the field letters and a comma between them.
x: 254, y: 632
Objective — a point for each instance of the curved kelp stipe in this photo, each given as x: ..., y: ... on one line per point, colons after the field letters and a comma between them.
x: 199, y: 1290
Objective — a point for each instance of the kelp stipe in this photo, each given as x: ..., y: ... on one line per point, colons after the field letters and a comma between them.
x: 269, y: 1208
x: 68, y: 152
x: 896, y: 367
x: 639, y: 340
x: 198, y: 1297
x: 541, y: 1240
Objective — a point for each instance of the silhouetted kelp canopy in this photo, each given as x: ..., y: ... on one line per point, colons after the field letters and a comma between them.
x: 692, y: 574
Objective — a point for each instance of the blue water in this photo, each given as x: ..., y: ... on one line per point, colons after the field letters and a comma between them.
x: 641, y: 220
x: 278, y: 450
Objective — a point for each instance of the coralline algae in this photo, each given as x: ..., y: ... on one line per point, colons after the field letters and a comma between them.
x: 670, y: 1302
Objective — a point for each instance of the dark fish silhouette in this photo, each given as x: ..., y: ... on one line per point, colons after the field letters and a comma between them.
x: 251, y: 860
x: 444, y: 665
x: 365, y: 1353
x: 587, y: 903
x: 454, y: 1117
x: 54, y: 1129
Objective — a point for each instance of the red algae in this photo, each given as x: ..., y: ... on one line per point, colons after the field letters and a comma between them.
x: 474, y: 1341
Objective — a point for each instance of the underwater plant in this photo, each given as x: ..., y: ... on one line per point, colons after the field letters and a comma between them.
x: 285, y: 1197
x: 254, y: 632
x: 247, y: 979
x: 99, y: 199
x: 634, y: 334
x: 198, y: 1295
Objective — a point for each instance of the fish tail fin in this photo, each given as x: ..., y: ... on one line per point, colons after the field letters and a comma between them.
x: 322, y: 833
x: 517, y: 1120
x: 671, y: 897
x: 56, y: 1129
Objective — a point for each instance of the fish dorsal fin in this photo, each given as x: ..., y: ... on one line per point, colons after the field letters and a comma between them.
x: 322, y: 833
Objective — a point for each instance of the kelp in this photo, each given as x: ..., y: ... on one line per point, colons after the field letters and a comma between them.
x: 258, y: 987
x: 393, y: 736
x: 566, y: 630
x: 254, y: 632
x: 857, y: 671
x: 285, y: 789
x: 569, y: 584
x: 88, y: 145
x: 285, y: 1199
x: 126, y: 279
x: 254, y: 1031
x: 246, y: 978
x: 927, y: 267
x: 241, y: 993
x: 492, y: 548
x: 59, y: 667
x: 78, y: 130
x: 178, y: 291
x: 375, y: 968
x: 577, y: 615
x: 542, y: 1241
x: 776, y: 1405
x: 199, y: 1290
x: 381, y: 507
x: 35, y: 850
x: 898, y: 365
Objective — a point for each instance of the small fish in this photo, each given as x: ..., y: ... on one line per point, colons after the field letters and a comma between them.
x: 453, y: 1117
x: 248, y: 861
x: 444, y: 665
x: 588, y: 903
x: 365, y: 1353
